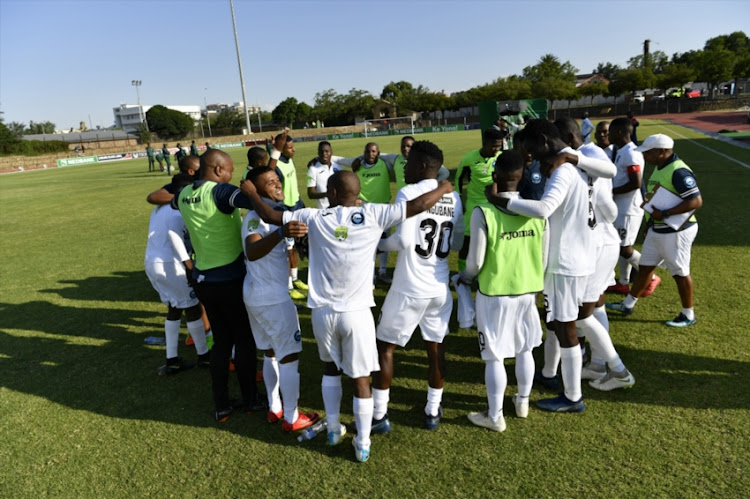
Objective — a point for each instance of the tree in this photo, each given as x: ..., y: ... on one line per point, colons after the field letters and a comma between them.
x: 229, y: 121
x: 594, y: 89
x: 549, y: 66
x: 627, y: 80
x: 607, y: 70
x: 393, y: 90
x: 304, y: 112
x: 285, y: 113
x: 168, y: 123
x: 675, y: 75
x: 714, y: 66
x: 16, y: 128
x: 554, y: 89
x: 655, y: 62
x: 40, y: 128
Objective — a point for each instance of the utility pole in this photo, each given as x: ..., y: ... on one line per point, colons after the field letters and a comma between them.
x: 141, y: 116
x: 239, y: 64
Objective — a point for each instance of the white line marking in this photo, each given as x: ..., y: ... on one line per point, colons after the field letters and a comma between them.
x: 706, y: 147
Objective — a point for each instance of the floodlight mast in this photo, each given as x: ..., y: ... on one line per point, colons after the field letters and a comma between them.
x: 239, y: 64
x: 141, y: 116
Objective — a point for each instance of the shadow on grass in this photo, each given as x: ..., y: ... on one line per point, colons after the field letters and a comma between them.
x: 118, y: 286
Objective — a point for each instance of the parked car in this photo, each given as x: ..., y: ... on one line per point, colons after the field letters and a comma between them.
x: 691, y: 94
x: 638, y: 98
x: 659, y: 97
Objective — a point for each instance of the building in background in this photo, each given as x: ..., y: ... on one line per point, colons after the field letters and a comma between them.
x: 128, y: 116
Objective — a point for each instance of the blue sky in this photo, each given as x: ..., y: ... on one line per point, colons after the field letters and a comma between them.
x: 64, y: 61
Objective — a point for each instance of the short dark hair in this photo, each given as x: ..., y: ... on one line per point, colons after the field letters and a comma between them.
x: 406, y: 137
x: 428, y: 152
x: 255, y: 155
x: 491, y: 134
x: 534, y: 129
x: 323, y: 143
x: 181, y: 180
x: 621, y: 125
x: 567, y: 126
x: 288, y: 138
x: 253, y: 174
x: 509, y: 161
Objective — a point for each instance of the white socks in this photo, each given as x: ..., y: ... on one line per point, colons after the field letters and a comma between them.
x: 380, y: 398
x: 434, y: 397
x: 689, y: 313
x: 496, y: 381
x: 172, y: 337
x: 362, y: 409
x: 625, y: 266
x: 600, y: 342
x: 198, y: 332
x: 600, y: 314
x: 295, y: 274
x: 271, y: 380
x: 551, y: 355
x: 524, y: 372
x: 331, y: 389
x: 630, y: 301
x: 289, y: 386
x: 571, y: 364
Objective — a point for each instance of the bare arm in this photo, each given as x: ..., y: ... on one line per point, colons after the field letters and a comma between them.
x: 683, y: 207
x: 633, y: 184
x: 159, y: 197
x: 256, y: 246
x: 265, y: 212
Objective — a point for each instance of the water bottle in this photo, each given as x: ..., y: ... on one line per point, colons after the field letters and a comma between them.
x: 310, y: 432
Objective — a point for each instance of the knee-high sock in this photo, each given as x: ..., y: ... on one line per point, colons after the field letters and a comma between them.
x: 172, y: 337
x: 524, y: 372
x: 383, y: 261
x: 289, y: 386
x: 570, y: 366
x: 331, y: 389
x: 551, y: 355
x: 625, y: 269
x: 496, y: 380
x: 362, y: 409
x: 271, y: 380
x: 380, y: 400
x: 600, y: 314
x: 198, y: 332
x: 635, y: 259
x: 434, y: 397
x: 600, y: 341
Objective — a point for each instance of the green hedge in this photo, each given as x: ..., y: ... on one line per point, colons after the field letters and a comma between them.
x: 32, y: 147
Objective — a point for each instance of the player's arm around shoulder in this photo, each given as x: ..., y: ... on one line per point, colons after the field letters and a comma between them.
x: 428, y: 199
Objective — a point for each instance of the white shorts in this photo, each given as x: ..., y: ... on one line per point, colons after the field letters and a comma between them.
x: 604, y: 274
x: 673, y: 248
x: 563, y: 295
x: 346, y: 339
x: 507, y: 325
x: 276, y: 327
x: 628, y: 226
x: 401, y: 314
x: 170, y: 281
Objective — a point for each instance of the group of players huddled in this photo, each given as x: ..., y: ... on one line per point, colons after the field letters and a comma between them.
x: 552, y: 215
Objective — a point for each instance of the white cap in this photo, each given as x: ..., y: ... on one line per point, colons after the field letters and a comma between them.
x: 658, y: 141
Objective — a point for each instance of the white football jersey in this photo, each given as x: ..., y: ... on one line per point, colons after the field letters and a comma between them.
x: 342, y: 242
x: 604, y: 232
x: 424, y: 242
x: 565, y: 204
x: 166, y: 232
x: 266, y: 281
x: 318, y: 175
x: 627, y: 157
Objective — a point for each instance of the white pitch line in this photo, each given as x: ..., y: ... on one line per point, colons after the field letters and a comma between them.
x: 706, y: 147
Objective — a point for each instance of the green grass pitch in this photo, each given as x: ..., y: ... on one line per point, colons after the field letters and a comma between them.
x: 83, y: 413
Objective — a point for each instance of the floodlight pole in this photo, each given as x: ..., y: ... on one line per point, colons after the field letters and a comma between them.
x: 208, y: 120
x: 239, y: 64
x: 141, y: 116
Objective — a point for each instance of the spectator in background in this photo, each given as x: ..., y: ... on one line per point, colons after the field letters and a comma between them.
x: 634, y: 134
x: 150, y: 155
x: 586, y: 128
x: 165, y: 155
x: 179, y: 154
x: 193, y: 149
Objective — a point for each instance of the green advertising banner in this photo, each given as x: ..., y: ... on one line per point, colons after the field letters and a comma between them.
x: 77, y: 161
x: 398, y: 131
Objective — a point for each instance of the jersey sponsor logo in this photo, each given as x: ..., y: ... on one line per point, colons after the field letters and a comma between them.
x: 252, y: 224
x: 536, y: 177
x: 689, y: 182
x: 516, y: 234
x: 341, y: 233
x: 297, y: 336
x: 192, y: 294
x: 196, y: 199
x: 326, y: 213
x: 371, y: 175
x: 358, y: 218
